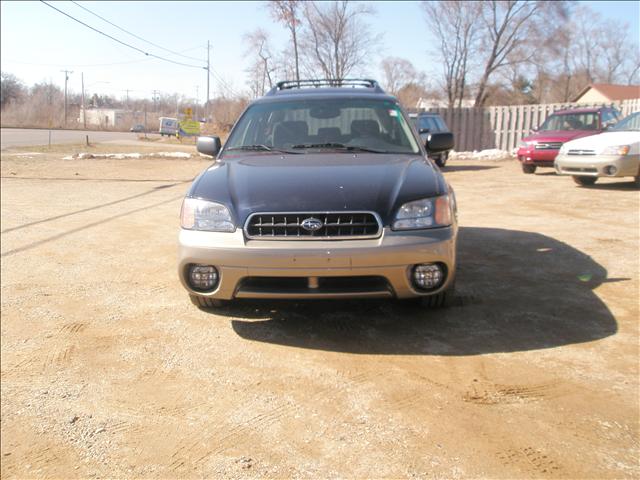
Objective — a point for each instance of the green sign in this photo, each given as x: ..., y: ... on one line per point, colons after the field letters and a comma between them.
x: 189, y: 128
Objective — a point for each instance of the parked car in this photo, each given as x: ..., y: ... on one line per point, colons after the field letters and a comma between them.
x: 321, y: 192
x: 139, y: 128
x: 168, y: 126
x: 427, y: 123
x: 614, y: 153
x: 541, y: 148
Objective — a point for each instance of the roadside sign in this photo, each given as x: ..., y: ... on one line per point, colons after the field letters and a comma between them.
x: 189, y: 128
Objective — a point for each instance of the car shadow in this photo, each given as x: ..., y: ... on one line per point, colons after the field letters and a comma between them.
x: 516, y: 291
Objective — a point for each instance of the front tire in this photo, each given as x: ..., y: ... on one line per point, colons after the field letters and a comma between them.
x: 206, y: 303
x: 441, y: 161
x: 528, y: 169
x: 584, y: 181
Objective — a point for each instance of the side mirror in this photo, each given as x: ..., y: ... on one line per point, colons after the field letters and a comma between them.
x: 209, y: 145
x: 439, y: 142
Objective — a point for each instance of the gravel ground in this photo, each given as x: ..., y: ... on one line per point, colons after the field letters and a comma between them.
x: 109, y: 371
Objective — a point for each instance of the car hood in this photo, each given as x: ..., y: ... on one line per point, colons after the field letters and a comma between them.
x: 558, y: 135
x: 318, y: 183
x: 603, y: 140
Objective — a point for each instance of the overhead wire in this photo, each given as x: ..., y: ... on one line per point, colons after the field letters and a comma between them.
x: 133, y: 34
x: 121, y: 42
x: 224, y: 83
x: 89, y: 64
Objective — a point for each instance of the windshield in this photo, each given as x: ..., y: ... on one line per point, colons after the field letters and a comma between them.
x: 344, y: 124
x: 630, y: 123
x: 432, y: 123
x: 571, y: 121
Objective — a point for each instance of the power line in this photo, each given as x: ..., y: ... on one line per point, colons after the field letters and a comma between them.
x: 120, y: 41
x: 76, y: 66
x: 224, y: 83
x: 8, y: 60
x: 133, y: 34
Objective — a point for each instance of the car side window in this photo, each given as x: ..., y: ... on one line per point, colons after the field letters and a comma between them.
x: 609, y: 118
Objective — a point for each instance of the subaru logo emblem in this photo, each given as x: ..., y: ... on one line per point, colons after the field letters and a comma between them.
x: 311, y: 224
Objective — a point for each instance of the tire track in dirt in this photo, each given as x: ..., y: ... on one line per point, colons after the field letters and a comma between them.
x: 529, y: 459
x: 194, y: 453
x: 74, y: 327
x: 506, y: 394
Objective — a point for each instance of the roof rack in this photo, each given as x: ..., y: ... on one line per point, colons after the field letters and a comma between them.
x: 326, y: 82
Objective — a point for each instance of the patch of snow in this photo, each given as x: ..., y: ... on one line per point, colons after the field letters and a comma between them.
x: 123, y: 156
x: 25, y: 154
x: 489, y: 154
x: 172, y: 154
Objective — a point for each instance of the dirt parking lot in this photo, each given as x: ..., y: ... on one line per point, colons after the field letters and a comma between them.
x: 109, y: 371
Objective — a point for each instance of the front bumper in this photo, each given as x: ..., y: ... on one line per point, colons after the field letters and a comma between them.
x: 598, y: 165
x: 390, y: 258
x: 539, y: 158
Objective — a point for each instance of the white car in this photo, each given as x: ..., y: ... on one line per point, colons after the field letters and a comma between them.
x: 614, y: 153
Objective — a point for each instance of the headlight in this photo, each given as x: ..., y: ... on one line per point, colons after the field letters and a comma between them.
x: 563, y: 149
x: 203, y: 215
x: 617, y: 150
x: 427, y: 213
x: 524, y: 144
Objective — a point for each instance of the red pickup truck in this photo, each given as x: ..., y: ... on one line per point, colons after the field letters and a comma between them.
x: 541, y: 147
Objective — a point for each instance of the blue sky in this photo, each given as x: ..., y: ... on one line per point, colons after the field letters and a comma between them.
x: 37, y: 42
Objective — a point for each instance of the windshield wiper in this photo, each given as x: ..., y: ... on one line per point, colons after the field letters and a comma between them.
x: 259, y: 148
x: 340, y: 146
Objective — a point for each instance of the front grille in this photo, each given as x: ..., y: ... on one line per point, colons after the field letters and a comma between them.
x: 288, y: 226
x: 548, y: 146
x: 580, y: 170
x: 581, y: 152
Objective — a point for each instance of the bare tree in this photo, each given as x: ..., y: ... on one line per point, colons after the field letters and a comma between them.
x: 397, y: 73
x: 336, y: 40
x: 508, y: 28
x: 288, y: 13
x: 455, y: 25
x: 262, y: 68
x: 11, y: 89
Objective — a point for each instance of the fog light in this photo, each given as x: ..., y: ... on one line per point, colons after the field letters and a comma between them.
x: 428, y: 276
x: 610, y: 170
x: 203, y: 277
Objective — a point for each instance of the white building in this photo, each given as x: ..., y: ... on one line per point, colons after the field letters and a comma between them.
x: 105, y: 117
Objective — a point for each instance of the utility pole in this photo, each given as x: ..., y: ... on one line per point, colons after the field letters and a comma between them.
x: 206, y: 108
x: 84, y: 108
x: 66, y: 79
x: 128, y: 90
x: 197, y: 100
x: 155, y: 99
x: 208, y: 71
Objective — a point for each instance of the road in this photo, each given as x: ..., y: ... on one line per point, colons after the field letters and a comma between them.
x: 22, y: 137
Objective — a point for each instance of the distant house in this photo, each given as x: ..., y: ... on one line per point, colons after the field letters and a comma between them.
x: 607, y: 92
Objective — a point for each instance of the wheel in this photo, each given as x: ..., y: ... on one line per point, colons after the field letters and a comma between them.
x: 439, y: 300
x: 207, y: 303
x: 441, y: 161
x: 636, y: 181
x: 584, y: 181
x: 528, y: 168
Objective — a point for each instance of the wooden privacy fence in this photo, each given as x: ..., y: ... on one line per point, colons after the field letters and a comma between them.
x: 503, y: 127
